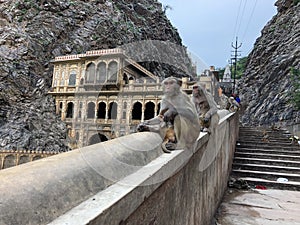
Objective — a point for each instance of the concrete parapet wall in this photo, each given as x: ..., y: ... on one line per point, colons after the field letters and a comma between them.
x: 40, y: 191
x: 124, y: 181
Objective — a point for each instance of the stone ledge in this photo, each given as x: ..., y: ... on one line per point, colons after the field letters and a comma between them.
x: 40, y: 191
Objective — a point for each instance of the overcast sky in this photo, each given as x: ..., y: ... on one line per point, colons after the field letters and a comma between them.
x: 209, y: 27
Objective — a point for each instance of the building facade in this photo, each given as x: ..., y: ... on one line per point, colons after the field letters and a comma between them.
x: 104, y: 94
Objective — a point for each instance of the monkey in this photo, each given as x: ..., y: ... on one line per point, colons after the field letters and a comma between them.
x: 177, y: 109
x: 169, y: 142
x: 206, y: 108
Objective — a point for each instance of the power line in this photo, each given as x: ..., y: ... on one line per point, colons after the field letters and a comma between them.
x: 236, y: 20
x: 250, y: 18
x: 241, y: 18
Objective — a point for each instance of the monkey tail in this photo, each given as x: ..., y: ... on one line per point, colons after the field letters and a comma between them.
x: 163, y: 146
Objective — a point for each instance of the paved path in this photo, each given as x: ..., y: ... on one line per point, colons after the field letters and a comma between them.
x: 259, y: 207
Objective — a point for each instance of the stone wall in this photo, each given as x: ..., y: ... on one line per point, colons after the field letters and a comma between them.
x: 127, y: 180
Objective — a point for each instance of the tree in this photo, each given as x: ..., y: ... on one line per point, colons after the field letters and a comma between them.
x: 240, y: 67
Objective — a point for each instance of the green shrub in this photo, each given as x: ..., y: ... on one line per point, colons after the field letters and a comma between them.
x: 295, y: 77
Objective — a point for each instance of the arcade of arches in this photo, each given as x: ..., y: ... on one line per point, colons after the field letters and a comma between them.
x: 104, y: 120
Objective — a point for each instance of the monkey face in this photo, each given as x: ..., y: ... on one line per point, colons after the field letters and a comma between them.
x: 172, y: 138
x: 170, y: 86
x: 195, y: 90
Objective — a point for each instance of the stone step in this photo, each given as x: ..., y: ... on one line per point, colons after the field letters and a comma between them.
x: 260, y: 138
x: 262, y: 161
x: 262, y: 143
x: 268, y: 168
x: 254, y: 131
x: 275, y: 147
x: 261, y: 128
x: 273, y: 176
x: 267, y: 156
x: 291, y: 147
x: 275, y: 162
x: 259, y: 133
x: 269, y: 184
x: 271, y: 151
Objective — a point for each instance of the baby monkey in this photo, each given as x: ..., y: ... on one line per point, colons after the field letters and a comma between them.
x: 169, y: 142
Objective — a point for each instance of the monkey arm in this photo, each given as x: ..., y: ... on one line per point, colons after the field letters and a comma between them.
x: 213, y: 108
x: 168, y: 111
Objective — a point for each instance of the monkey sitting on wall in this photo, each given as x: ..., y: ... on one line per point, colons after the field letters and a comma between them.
x: 177, y: 109
x: 206, y: 108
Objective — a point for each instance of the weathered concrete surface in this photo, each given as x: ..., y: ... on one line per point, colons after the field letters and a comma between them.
x: 260, y: 207
x: 40, y: 191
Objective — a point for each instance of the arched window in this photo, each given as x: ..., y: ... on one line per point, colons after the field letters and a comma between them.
x: 24, y: 159
x: 97, y: 138
x: 91, y: 110
x: 72, y: 78
x: 101, y: 110
x: 81, y: 81
x: 113, y: 110
x: 70, y: 109
x: 137, y: 111
x: 125, y: 78
x: 90, y: 73
x: 112, y: 72
x: 9, y: 161
x: 149, y: 111
x: 101, y: 73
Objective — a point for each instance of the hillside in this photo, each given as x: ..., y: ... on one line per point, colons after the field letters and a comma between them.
x: 266, y: 87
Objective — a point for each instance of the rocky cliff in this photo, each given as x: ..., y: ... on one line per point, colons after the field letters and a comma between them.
x: 32, y: 32
x: 266, y: 86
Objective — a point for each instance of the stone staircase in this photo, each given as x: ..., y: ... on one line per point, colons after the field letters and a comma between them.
x: 266, y: 157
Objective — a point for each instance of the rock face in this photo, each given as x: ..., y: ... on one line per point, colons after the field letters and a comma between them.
x: 266, y: 86
x: 34, y: 32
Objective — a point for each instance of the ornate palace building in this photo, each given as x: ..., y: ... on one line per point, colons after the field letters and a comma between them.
x: 104, y: 94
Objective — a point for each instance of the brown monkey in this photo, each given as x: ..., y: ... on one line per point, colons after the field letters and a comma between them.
x: 178, y: 109
x: 169, y: 142
x: 206, y: 108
